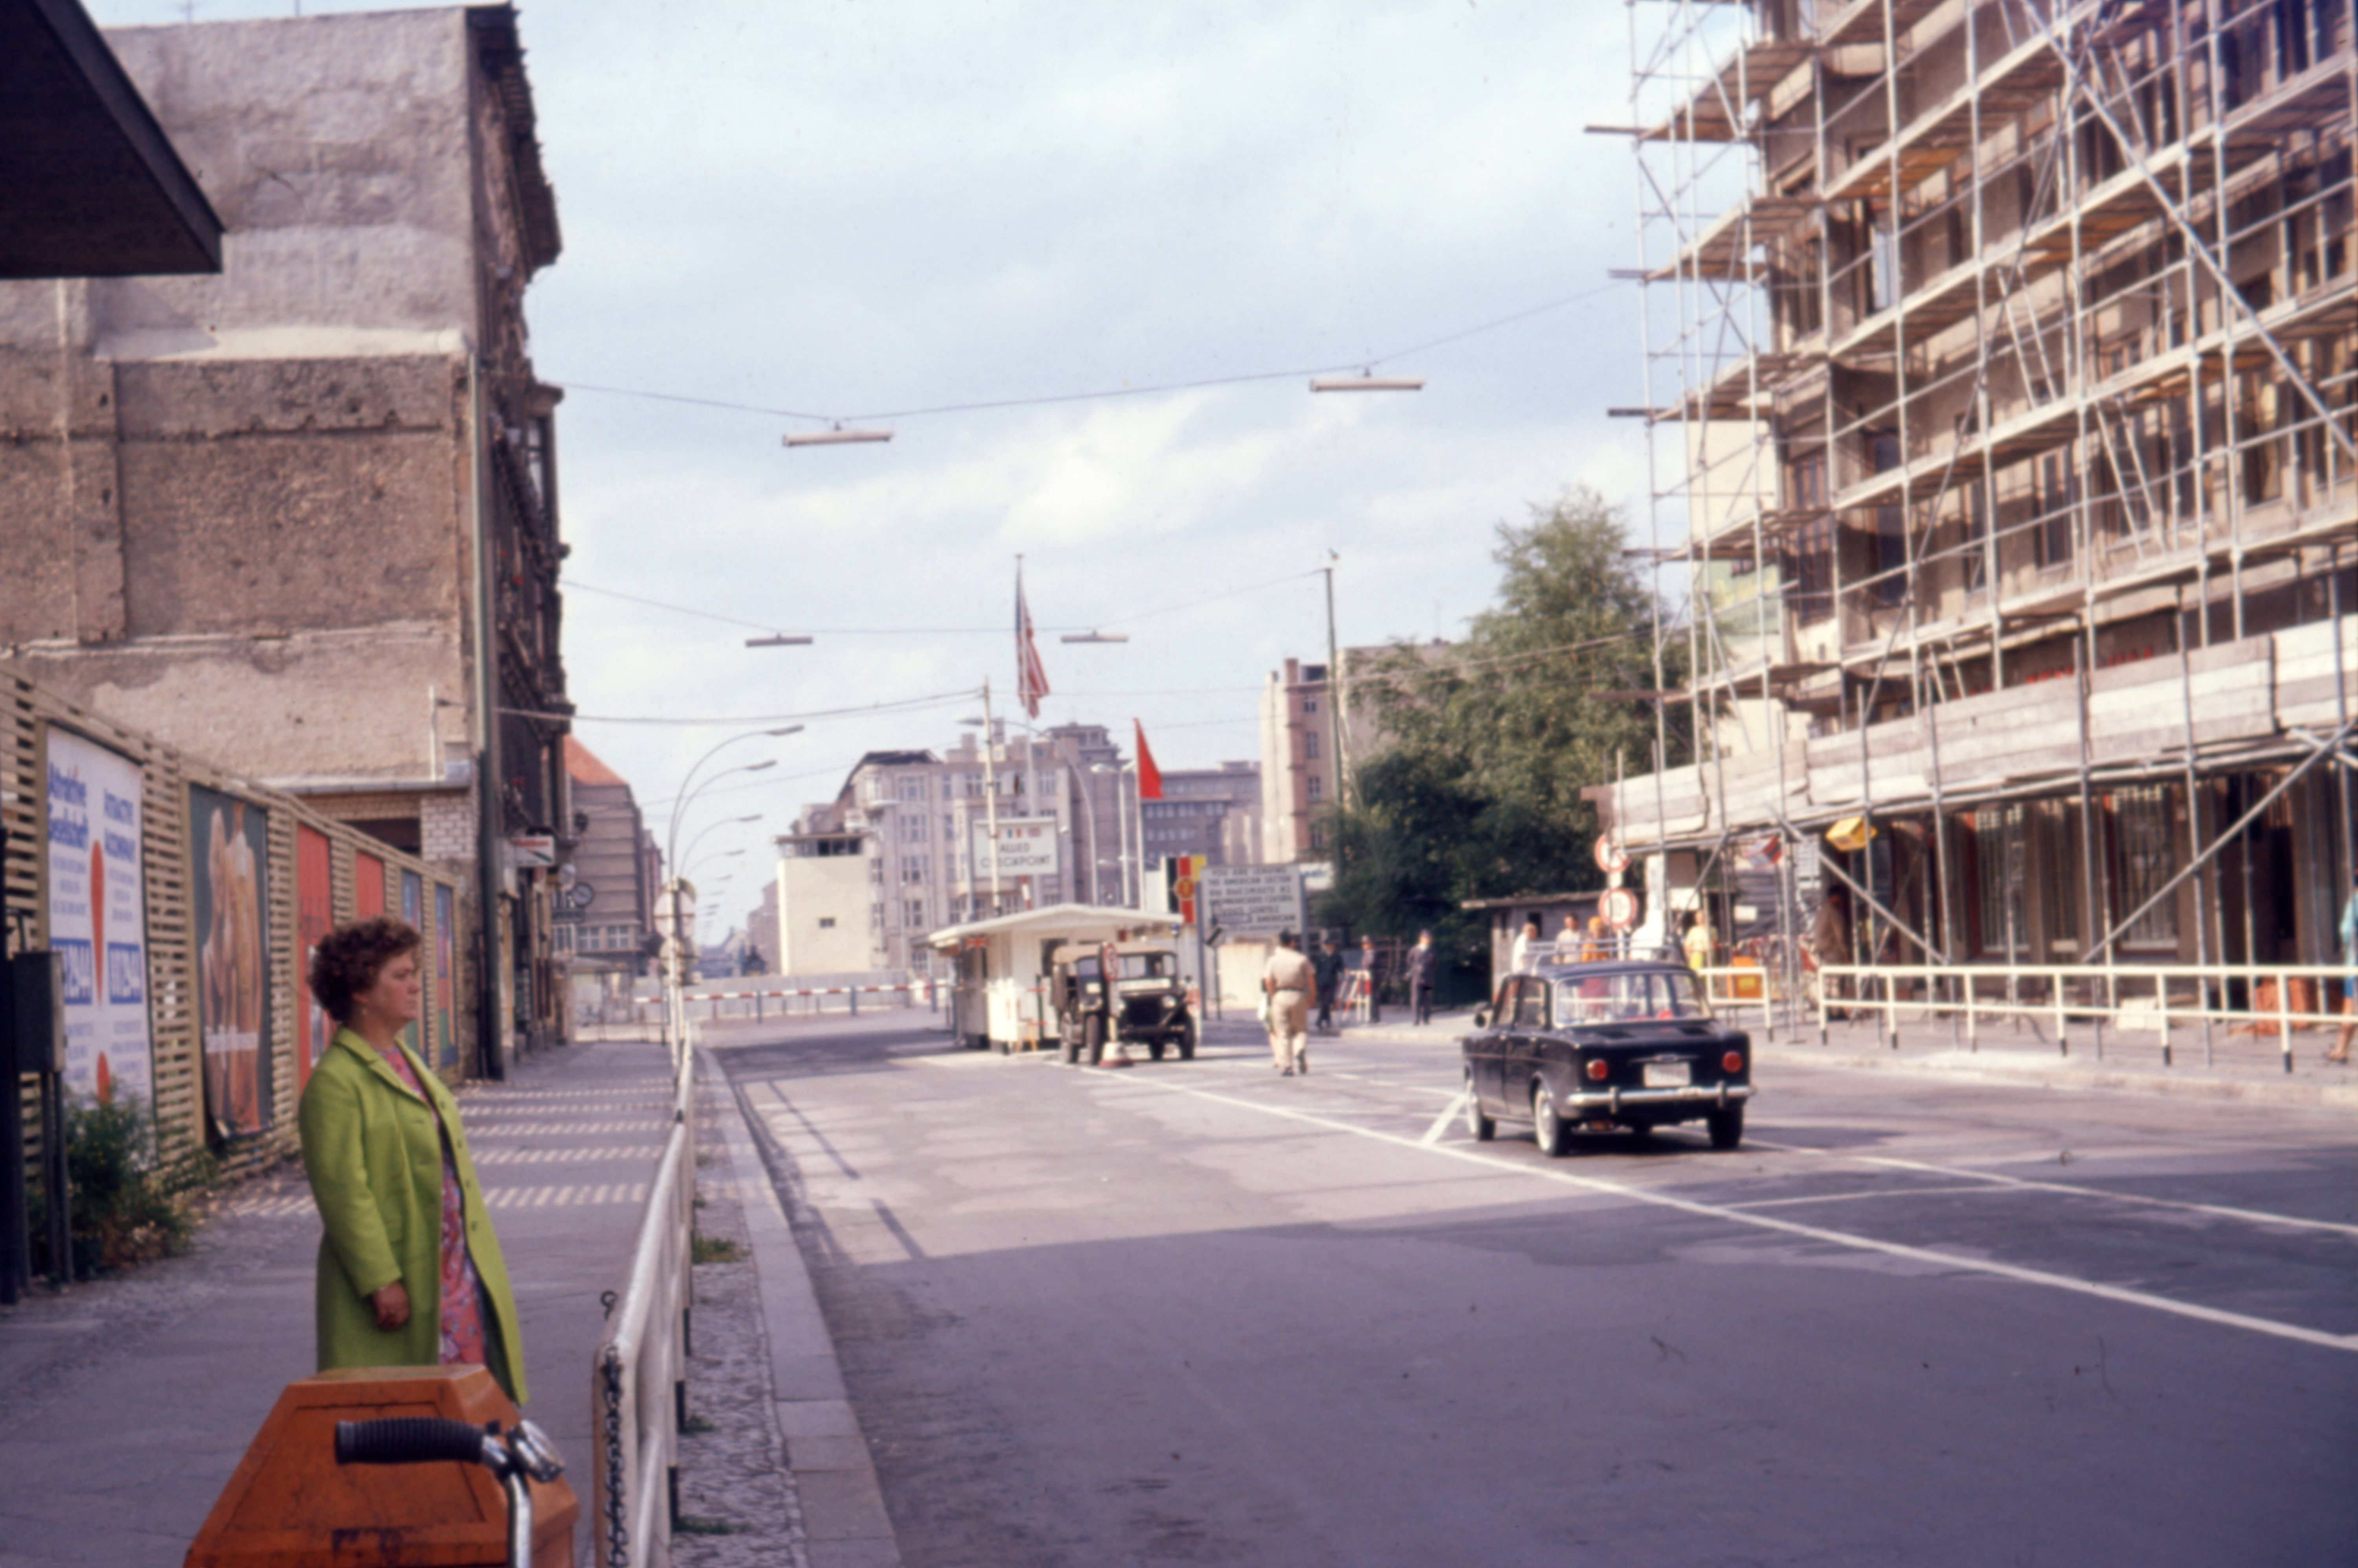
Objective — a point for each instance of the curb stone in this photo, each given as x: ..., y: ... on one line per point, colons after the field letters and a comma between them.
x: 844, y: 1522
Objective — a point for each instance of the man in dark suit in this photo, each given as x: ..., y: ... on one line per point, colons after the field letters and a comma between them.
x: 1419, y: 965
x: 1326, y: 964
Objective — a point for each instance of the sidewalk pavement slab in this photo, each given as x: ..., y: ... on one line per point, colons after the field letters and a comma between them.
x: 126, y: 1404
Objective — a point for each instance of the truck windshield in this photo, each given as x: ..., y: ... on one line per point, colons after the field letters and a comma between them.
x: 1627, y: 998
x: 1145, y: 966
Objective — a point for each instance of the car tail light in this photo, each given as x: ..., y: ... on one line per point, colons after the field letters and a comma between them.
x: 1598, y: 1069
x: 1732, y: 1061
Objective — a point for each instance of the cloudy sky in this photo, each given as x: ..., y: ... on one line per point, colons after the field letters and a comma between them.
x: 859, y: 209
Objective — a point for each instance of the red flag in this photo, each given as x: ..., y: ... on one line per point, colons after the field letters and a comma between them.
x: 1149, y: 777
x: 1031, y: 675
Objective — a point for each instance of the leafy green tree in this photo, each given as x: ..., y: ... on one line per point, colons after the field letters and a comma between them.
x: 1476, y: 792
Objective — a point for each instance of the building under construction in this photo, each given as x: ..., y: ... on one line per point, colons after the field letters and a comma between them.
x: 2000, y: 400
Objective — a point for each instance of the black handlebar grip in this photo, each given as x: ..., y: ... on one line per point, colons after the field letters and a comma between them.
x: 408, y: 1440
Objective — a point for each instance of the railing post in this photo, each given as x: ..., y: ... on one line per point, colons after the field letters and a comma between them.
x: 2161, y: 1013
x: 2055, y: 982
x: 1972, y: 1018
x: 2283, y: 1016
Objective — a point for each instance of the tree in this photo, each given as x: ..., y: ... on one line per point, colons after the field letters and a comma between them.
x: 1477, y: 792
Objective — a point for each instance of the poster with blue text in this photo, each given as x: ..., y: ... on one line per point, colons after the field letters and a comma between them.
x: 98, y: 919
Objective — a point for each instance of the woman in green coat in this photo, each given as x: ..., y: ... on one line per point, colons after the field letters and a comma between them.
x: 410, y: 1273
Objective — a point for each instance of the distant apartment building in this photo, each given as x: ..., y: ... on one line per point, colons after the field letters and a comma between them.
x: 903, y: 849
x: 1301, y: 776
x: 605, y: 912
x: 1211, y: 812
x: 300, y: 518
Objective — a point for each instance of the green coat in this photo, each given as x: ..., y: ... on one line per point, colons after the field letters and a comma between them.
x: 375, y: 1165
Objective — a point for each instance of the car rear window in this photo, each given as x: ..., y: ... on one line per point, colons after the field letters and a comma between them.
x: 1628, y: 998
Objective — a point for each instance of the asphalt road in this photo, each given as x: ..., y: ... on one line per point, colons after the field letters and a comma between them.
x: 1200, y: 1313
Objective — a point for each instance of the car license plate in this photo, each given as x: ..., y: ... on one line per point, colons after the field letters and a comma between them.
x: 1668, y: 1075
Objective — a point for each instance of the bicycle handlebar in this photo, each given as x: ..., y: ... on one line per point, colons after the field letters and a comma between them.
x: 409, y: 1440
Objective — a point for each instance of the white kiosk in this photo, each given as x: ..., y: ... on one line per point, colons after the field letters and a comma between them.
x: 999, y: 997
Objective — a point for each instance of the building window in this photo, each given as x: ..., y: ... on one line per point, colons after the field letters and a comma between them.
x: 1310, y: 746
x: 915, y: 827
x: 827, y: 923
x: 915, y: 914
x: 1316, y: 786
x: 915, y: 868
x: 1309, y: 705
x: 1318, y: 835
x: 913, y: 788
x: 1809, y: 568
x: 2141, y: 836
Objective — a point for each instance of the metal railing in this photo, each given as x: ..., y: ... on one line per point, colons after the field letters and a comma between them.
x: 2164, y: 1001
x: 639, y: 1381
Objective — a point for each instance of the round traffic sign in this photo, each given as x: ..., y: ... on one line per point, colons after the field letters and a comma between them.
x: 1611, y: 857
x: 1620, y: 907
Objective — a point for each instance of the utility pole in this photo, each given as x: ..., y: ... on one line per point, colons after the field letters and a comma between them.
x: 991, y: 789
x: 1336, y: 696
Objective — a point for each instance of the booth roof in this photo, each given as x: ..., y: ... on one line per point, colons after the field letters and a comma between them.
x: 1054, y: 915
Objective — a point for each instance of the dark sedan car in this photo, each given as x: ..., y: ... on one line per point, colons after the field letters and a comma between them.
x: 1616, y: 1044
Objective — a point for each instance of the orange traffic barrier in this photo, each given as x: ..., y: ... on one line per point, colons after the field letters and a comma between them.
x: 291, y: 1506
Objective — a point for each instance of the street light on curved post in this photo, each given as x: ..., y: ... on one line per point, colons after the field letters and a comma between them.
x: 688, y: 790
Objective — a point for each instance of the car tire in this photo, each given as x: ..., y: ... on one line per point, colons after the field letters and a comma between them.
x: 1188, y: 1041
x: 1549, y: 1130
x: 1726, y: 1126
x: 1480, y: 1126
x: 1093, y: 1040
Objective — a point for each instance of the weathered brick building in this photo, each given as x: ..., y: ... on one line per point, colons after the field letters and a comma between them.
x: 301, y: 518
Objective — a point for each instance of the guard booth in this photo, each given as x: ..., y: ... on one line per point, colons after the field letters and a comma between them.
x: 999, y: 999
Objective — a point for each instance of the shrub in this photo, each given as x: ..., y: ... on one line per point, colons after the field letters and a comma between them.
x: 128, y: 1205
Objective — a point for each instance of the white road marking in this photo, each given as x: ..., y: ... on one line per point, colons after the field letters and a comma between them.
x: 2347, y: 1342
x: 1857, y: 1197
x: 1441, y: 1123
x: 2252, y: 1216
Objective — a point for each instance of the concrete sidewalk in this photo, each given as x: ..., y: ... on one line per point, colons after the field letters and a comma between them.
x: 126, y: 1404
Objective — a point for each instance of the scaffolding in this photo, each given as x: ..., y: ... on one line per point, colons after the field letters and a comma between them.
x: 2000, y: 407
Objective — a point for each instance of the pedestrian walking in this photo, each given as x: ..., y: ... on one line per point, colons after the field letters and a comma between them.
x: 1370, y: 968
x: 409, y: 1270
x: 1525, y: 940
x: 1289, y: 986
x: 2341, y: 1052
x: 1327, y: 969
x: 1420, y: 978
x: 1702, y: 942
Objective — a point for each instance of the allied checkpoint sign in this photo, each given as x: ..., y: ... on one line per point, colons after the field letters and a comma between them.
x: 1027, y: 848
x: 98, y: 918
x: 1251, y: 901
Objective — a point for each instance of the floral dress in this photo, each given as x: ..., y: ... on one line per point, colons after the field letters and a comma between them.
x: 462, y: 1293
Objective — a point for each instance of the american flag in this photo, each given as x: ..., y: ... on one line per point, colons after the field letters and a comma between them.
x: 1031, y: 675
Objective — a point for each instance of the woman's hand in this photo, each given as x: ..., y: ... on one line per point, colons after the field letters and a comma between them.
x: 392, y: 1305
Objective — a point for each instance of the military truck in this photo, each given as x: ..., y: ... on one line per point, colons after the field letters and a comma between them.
x: 1145, y: 1003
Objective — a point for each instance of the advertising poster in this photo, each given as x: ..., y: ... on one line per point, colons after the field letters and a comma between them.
x: 229, y: 853
x: 98, y: 918
x: 368, y: 887
x: 445, y: 968
x: 315, y: 915
x: 413, y: 913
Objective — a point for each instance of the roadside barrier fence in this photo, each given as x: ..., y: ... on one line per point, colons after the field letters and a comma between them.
x: 639, y: 1380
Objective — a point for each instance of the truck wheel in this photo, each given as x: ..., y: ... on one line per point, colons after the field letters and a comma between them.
x: 1072, y: 1046
x: 1093, y: 1040
x: 1154, y: 1049
x: 1188, y: 1041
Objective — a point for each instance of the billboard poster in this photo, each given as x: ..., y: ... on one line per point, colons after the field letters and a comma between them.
x: 315, y: 916
x: 368, y: 887
x: 229, y: 854
x: 446, y: 969
x: 413, y: 913
x: 98, y: 918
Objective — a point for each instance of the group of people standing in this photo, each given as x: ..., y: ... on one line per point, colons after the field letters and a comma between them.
x: 1293, y: 982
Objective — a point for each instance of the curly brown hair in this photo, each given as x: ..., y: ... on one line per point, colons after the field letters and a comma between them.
x: 347, y: 960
